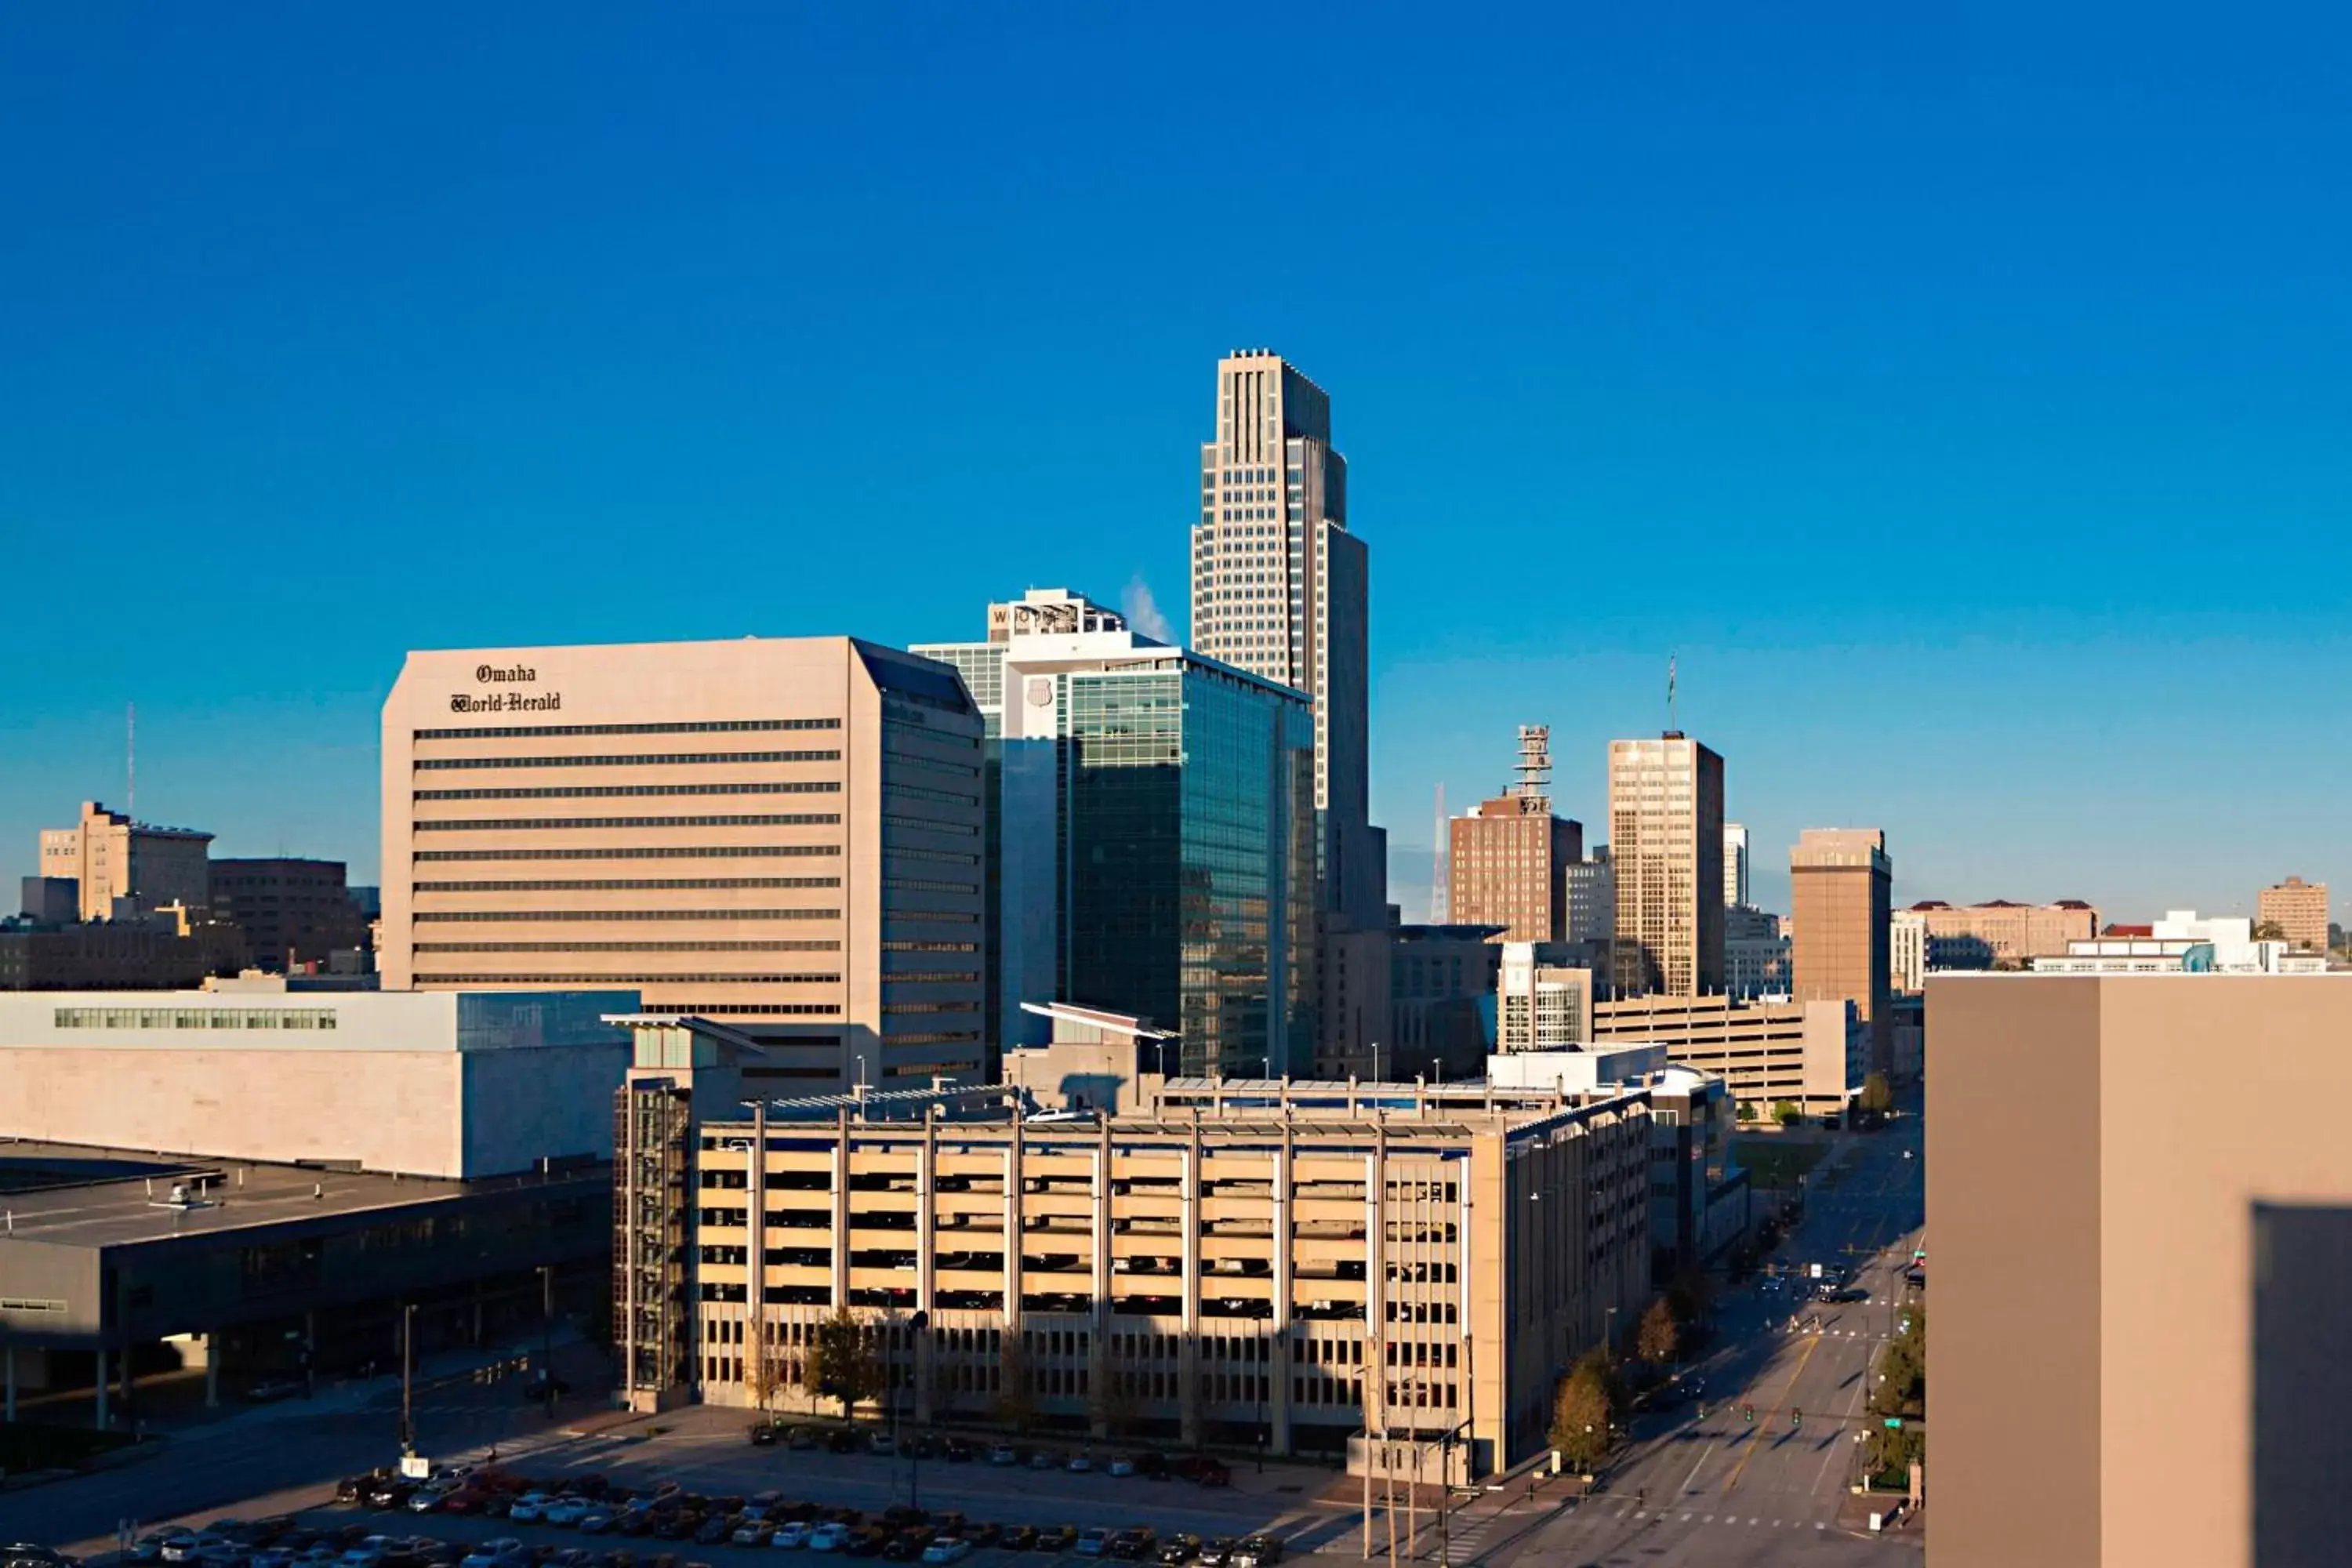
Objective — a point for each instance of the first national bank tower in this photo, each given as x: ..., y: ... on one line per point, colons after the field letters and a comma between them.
x: 779, y: 833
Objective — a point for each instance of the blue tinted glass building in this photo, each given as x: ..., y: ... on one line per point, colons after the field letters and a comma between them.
x: 1153, y: 840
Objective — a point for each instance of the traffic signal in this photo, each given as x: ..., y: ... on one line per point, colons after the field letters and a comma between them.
x: 1747, y: 1414
x: 1796, y: 1418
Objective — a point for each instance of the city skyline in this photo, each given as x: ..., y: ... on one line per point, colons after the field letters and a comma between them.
x: 331, y: 418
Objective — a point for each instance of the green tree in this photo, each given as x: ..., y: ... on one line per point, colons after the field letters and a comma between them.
x: 2269, y: 931
x: 1748, y: 1112
x: 1786, y: 1114
x: 1583, y: 1412
x: 842, y: 1364
x: 1877, y: 1095
x: 1659, y: 1339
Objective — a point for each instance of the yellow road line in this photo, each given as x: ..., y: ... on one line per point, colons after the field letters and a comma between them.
x: 1812, y: 1345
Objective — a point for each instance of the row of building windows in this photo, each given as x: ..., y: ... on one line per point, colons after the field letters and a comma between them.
x: 628, y: 759
x: 925, y: 825
x: 549, y: 824
x: 936, y: 1038
x: 645, y: 980
x: 813, y: 946
x: 194, y: 1018
x: 660, y: 852
x: 927, y: 885
x: 899, y: 759
x: 937, y: 916
x: 931, y: 976
x: 945, y: 857
x: 919, y: 792
x: 707, y: 727
x: 601, y: 792
x: 966, y: 1005
x: 904, y: 946
x: 807, y: 914
x: 632, y: 884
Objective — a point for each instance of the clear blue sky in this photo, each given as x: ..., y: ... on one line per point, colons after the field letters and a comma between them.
x: 1961, y: 391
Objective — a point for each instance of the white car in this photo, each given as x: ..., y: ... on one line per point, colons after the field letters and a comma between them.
x: 1004, y: 1454
x: 947, y: 1549
x: 529, y: 1507
x: 790, y: 1537
x: 748, y: 1533
x: 566, y: 1511
x: 166, y: 1545
x: 827, y: 1536
x: 184, y: 1547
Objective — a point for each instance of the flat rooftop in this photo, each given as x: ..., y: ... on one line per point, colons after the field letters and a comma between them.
x: 71, y: 1194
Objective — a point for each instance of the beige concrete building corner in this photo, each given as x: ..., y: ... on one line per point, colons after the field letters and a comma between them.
x: 2142, y: 1258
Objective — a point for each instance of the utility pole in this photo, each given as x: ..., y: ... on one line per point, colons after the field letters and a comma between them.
x: 408, y: 1378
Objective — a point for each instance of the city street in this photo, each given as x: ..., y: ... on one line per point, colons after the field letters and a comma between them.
x: 1720, y: 1490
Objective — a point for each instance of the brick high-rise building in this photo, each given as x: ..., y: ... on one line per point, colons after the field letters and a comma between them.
x: 1841, y: 885
x: 2299, y: 909
x: 293, y: 912
x: 1665, y: 837
x: 1509, y: 858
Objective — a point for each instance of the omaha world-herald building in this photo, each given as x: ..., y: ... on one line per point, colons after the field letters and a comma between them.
x: 1219, y: 1260
x: 781, y: 833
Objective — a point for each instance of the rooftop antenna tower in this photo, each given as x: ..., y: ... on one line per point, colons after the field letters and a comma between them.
x: 1672, y: 728
x: 130, y: 761
x: 1441, y: 876
x: 1535, y: 770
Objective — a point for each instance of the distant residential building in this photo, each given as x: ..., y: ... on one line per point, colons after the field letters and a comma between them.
x: 1812, y: 1054
x: 1665, y: 835
x: 1735, y: 865
x: 2181, y: 944
x: 1540, y: 1007
x: 1442, y: 983
x: 2000, y: 934
x: 1755, y: 954
x: 50, y: 900
x: 1154, y: 847
x: 1509, y: 857
x: 2137, y: 1209
x: 2299, y: 909
x: 1906, y: 949
x: 781, y: 832
x: 1591, y: 897
x: 1841, y: 882
x: 122, y: 868
x: 294, y: 912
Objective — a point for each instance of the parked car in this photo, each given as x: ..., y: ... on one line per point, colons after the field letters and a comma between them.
x: 1120, y: 1464
x: 790, y: 1537
x: 1139, y: 1544
x: 882, y: 1442
x: 713, y: 1530
x: 947, y: 1549
x: 758, y: 1532
x: 565, y: 1513
x: 828, y: 1537
x: 1079, y: 1465
x: 1019, y: 1538
x: 1004, y: 1454
x: 1179, y: 1549
x: 1093, y: 1542
x: 983, y: 1535
x: 800, y: 1439
x: 389, y: 1492
x: 1218, y: 1552
x: 1057, y: 1538
x: 764, y: 1434
x: 1257, y: 1552
x: 867, y: 1542
x: 368, y: 1553
x: 499, y: 1552
x: 956, y: 1451
x: 528, y: 1508
x: 841, y: 1440
x: 596, y: 1520
x: 1044, y: 1459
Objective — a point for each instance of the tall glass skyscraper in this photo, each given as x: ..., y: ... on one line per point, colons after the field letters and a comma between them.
x: 1152, y: 843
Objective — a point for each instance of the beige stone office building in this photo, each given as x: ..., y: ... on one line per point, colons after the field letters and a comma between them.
x: 1813, y: 1054
x: 1841, y: 880
x: 2299, y: 909
x: 1541, y: 1005
x: 2000, y: 934
x: 1229, y: 1260
x: 1507, y: 860
x: 784, y: 833
x: 123, y: 868
x: 2141, y: 1246
x: 1665, y: 839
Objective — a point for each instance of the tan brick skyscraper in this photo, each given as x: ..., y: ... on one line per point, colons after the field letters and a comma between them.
x: 2299, y: 909
x: 1665, y: 835
x: 1841, y: 883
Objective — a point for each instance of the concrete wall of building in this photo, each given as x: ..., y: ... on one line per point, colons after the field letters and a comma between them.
x: 2098, y: 1270
x: 46, y: 1291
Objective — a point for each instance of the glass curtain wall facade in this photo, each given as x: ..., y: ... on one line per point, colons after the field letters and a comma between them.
x: 1186, y: 856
